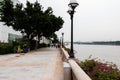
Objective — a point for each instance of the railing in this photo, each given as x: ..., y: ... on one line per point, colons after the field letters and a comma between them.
x: 77, y: 72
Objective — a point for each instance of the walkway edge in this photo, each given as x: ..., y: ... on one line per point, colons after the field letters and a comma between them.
x: 77, y: 72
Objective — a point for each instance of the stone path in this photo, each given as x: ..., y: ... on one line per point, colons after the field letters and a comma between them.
x: 43, y: 64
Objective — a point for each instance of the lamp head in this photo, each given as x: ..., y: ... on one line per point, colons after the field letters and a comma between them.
x: 73, y: 4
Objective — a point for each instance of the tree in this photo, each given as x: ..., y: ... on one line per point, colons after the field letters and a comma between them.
x: 55, y: 38
x: 31, y: 20
x: 7, y: 12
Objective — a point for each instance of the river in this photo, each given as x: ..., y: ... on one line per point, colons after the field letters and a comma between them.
x: 105, y: 53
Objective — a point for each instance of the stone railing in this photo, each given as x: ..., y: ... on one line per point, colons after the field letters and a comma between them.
x: 72, y: 71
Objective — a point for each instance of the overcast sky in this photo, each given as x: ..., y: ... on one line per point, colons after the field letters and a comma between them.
x: 94, y: 20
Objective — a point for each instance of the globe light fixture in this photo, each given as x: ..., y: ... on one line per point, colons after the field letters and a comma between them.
x: 73, y: 4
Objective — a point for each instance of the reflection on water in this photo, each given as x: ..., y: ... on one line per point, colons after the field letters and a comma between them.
x: 102, y: 52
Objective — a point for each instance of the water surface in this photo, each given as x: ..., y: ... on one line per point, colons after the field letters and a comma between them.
x: 103, y: 52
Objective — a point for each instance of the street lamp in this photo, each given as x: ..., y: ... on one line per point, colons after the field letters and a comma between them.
x: 73, y: 4
x: 62, y: 39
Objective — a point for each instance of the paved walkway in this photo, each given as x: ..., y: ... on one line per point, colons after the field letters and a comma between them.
x: 43, y: 64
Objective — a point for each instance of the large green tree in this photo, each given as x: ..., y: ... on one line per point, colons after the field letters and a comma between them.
x: 31, y: 20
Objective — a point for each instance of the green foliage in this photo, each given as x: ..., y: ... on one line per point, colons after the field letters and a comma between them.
x: 12, y: 47
x: 55, y: 38
x: 6, y: 48
x: 7, y: 12
x: 100, y: 71
x: 31, y: 20
x: 42, y: 45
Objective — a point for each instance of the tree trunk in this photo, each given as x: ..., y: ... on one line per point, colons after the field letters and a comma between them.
x: 36, y: 46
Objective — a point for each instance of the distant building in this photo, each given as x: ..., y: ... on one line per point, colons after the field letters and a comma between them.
x: 13, y: 37
x: 45, y: 40
x: 5, y: 31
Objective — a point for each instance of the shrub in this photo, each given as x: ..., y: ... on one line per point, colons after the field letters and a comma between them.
x: 12, y: 47
x: 100, y: 71
x: 42, y: 45
x: 6, y: 48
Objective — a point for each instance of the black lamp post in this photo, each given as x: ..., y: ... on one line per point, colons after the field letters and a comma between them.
x: 62, y: 39
x: 73, y: 4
